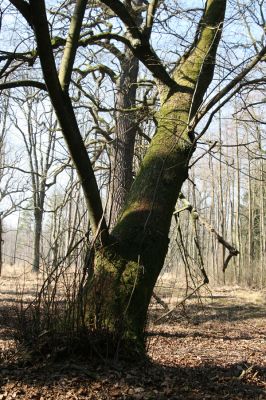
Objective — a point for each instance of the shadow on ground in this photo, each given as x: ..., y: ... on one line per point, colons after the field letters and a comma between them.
x: 145, y: 381
x: 198, y: 314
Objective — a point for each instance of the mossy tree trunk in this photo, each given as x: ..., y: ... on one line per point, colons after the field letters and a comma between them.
x: 127, y: 270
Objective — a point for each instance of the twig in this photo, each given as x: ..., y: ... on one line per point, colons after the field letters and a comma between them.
x: 160, y: 301
x: 181, y: 302
x: 196, y: 216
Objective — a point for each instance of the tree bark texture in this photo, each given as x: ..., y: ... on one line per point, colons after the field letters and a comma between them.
x: 126, y: 127
x: 122, y: 160
x: 126, y: 271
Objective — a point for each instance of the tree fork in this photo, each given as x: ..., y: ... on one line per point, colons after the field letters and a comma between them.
x: 141, y: 233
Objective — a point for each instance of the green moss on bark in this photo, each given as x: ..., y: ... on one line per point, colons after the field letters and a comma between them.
x: 126, y: 271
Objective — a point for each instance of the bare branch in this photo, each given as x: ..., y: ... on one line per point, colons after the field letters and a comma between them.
x: 71, y: 44
x: 65, y: 114
x: 196, y: 216
x: 150, y: 18
x: 23, y: 83
x: 24, y: 8
x: 234, y: 82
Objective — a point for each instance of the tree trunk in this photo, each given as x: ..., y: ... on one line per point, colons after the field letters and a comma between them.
x: 122, y: 174
x: 250, y: 223
x: 237, y: 216
x: 126, y: 128
x: 126, y: 271
x: 38, y: 217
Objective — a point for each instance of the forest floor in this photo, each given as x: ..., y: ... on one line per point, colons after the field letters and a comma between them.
x: 212, y: 349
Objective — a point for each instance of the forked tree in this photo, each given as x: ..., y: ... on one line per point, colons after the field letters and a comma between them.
x: 127, y: 261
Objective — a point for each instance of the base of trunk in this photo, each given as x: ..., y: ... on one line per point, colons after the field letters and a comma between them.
x: 118, y: 293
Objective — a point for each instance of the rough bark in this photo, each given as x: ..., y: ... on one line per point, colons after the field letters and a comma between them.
x: 122, y: 174
x: 125, y: 127
x: 127, y: 270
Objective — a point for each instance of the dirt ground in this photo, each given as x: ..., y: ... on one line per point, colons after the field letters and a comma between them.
x: 212, y: 350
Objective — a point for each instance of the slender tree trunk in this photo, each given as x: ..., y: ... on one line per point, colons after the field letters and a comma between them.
x: 238, y: 222
x: 262, y: 216
x: 38, y: 218
x: 221, y: 193
x: 250, y: 223
x: 212, y: 220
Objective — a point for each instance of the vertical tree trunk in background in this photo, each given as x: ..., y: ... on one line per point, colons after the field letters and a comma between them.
x: 38, y: 201
x: 122, y: 174
x: 232, y: 227
x: 212, y: 220
x: 54, y: 237
x: 263, y: 236
x: 262, y: 213
x: 237, y: 218
x: 250, y: 222
x: 69, y: 206
x: 38, y: 219
x: 126, y: 128
x: 229, y: 214
x: 221, y: 194
x: 39, y: 191
x: 40, y: 158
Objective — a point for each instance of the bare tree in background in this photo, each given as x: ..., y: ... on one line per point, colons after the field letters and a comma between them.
x: 38, y: 131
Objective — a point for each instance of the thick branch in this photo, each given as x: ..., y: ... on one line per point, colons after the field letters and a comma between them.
x: 150, y: 17
x: 71, y: 46
x: 196, y: 69
x: 103, y: 69
x: 122, y: 12
x: 24, y: 8
x: 139, y: 45
x: 14, y: 84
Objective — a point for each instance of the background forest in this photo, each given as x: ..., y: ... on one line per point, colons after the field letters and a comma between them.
x: 228, y: 193
x: 43, y: 213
